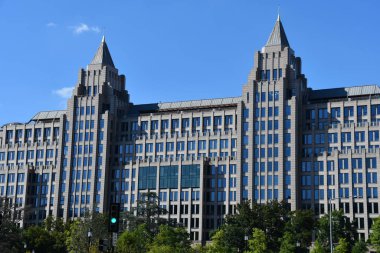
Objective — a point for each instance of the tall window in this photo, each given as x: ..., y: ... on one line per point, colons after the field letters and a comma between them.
x: 168, y: 177
x: 147, y: 178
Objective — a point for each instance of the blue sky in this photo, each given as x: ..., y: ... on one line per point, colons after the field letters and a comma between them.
x: 174, y: 50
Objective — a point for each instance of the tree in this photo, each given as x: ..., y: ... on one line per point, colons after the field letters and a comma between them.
x: 342, y: 247
x: 171, y: 239
x: 301, y: 225
x: 271, y: 218
x: 341, y: 226
x: 288, y: 243
x: 10, y: 233
x: 375, y: 236
x: 318, y: 248
x: 360, y: 247
x: 147, y: 212
x: 135, y: 241
x: 258, y: 242
x: 76, y: 237
x: 218, y: 243
x: 38, y: 239
x: 50, y: 237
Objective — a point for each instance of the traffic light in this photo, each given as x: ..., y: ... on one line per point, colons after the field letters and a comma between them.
x: 113, y: 219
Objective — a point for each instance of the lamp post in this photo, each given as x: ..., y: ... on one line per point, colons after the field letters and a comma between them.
x: 89, y: 235
x: 330, y: 222
x: 246, y: 242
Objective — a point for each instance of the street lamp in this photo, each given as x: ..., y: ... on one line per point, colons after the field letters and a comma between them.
x: 246, y: 242
x: 89, y: 235
x: 330, y: 221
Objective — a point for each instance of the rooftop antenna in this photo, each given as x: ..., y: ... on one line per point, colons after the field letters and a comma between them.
x: 104, y: 34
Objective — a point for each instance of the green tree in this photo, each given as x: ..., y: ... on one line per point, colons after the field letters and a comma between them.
x: 375, y: 236
x: 38, y: 239
x: 76, y: 236
x: 288, y: 243
x: 198, y: 248
x: 147, y: 212
x: 135, y: 241
x: 10, y: 233
x: 171, y: 239
x: 50, y: 237
x: 360, y: 247
x: 271, y: 218
x: 258, y: 242
x: 301, y: 225
x: 341, y: 226
x: 218, y: 243
x: 318, y: 248
x: 342, y: 247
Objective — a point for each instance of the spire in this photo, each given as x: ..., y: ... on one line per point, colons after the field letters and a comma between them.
x: 278, y: 36
x: 103, y: 55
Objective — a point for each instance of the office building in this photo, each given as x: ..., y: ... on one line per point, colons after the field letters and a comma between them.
x: 279, y: 140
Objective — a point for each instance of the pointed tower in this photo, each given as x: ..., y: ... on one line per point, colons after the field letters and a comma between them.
x: 98, y: 100
x: 278, y: 36
x: 103, y: 55
x: 273, y: 99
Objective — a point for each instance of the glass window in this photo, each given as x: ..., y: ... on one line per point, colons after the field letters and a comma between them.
x: 190, y: 176
x: 168, y: 177
x: 147, y: 177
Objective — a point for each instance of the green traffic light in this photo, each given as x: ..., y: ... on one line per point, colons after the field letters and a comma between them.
x: 113, y: 220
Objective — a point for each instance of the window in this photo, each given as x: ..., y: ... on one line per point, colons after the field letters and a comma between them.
x: 348, y: 111
x: 175, y: 123
x: 159, y: 147
x: 147, y: 178
x: 185, y: 123
x: 196, y: 122
x: 335, y: 112
x: 356, y: 163
x: 343, y: 164
x: 168, y: 177
x: 263, y: 96
x: 144, y: 125
x: 223, y: 143
x: 322, y: 113
x: 228, y: 120
x: 190, y: 176
x: 360, y: 136
x: 164, y: 124
x: 201, y: 145
x: 180, y: 146
x: 191, y: 145
x: 373, y: 135
x: 362, y: 111
x: 333, y: 138
x: 346, y: 137
x: 217, y: 120
x: 245, y: 113
x: 169, y: 146
x: 154, y: 125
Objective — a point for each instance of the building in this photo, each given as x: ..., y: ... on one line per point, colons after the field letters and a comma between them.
x: 278, y: 140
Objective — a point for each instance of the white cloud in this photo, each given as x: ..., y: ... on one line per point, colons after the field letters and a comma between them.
x: 64, y: 92
x: 51, y: 24
x: 82, y: 27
